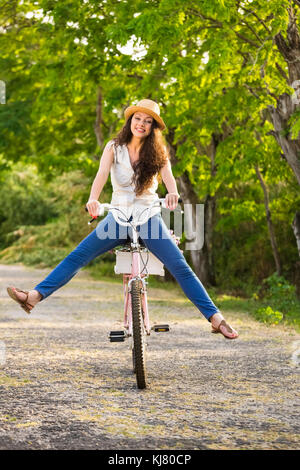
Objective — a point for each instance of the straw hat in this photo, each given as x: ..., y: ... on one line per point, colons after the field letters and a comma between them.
x: 148, y: 107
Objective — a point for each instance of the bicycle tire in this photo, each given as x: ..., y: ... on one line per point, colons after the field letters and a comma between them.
x: 139, y: 344
x: 133, y: 360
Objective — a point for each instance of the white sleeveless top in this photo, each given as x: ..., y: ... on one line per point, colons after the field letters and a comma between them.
x: 124, y: 196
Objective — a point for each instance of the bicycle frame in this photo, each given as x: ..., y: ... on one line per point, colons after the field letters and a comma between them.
x: 127, y: 280
x: 136, y: 315
x: 135, y: 271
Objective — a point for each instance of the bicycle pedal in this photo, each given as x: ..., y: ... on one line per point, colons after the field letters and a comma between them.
x: 117, y: 336
x: 160, y: 328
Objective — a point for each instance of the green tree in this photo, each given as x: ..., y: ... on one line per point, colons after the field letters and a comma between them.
x: 223, y: 74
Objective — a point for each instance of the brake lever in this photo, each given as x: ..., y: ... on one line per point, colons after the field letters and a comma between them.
x: 92, y: 219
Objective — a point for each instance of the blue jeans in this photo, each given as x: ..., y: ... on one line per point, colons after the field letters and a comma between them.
x: 157, y: 239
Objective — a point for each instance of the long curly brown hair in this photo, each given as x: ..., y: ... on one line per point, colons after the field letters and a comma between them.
x: 153, y: 155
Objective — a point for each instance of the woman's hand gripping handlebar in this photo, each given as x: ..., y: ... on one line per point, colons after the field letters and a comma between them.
x: 93, y: 207
x: 96, y: 210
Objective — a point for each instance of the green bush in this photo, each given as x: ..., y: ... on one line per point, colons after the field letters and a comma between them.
x: 41, y: 222
x: 24, y: 200
x: 268, y: 315
x: 281, y: 292
x: 279, y: 299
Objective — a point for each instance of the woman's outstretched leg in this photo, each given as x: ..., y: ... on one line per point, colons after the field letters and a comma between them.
x: 102, y: 239
x: 159, y: 241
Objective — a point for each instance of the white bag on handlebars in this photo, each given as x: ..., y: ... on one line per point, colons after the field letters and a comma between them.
x: 149, y: 263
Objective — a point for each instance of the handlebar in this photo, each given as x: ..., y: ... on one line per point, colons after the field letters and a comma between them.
x: 108, y: 206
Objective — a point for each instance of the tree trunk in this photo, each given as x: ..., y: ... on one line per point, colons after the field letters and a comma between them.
x: 279, y: 117
x: 296, y: 229
x: 286, y: 104
x: 269, y: 222
x: 202, y: 260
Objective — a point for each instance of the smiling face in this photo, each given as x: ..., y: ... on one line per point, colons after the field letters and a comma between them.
x: 141, y: 124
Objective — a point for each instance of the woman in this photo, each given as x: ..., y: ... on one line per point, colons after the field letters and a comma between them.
x: 134, y: 158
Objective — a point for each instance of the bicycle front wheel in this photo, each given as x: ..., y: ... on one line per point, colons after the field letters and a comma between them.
x: 138, y: 330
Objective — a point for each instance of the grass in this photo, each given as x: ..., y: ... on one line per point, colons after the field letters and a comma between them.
x: 228, y: 303
x: 251, y: 305
x: 236, y: 304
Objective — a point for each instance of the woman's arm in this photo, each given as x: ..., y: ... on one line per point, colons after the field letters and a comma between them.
x: 100, y: 180
x: 169, y: 180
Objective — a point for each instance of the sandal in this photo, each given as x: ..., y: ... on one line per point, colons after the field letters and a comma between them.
x: 23, y: 303
x: 228, y: 328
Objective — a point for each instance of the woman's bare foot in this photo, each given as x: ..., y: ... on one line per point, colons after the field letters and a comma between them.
x: 219, y: 325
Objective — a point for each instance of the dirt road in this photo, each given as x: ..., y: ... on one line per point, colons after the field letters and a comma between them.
x: 64, y: 386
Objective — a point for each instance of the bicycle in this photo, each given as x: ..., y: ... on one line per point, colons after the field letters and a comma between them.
x: 129, y: 259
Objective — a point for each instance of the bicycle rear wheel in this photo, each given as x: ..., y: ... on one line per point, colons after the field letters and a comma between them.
x: 138, y: 330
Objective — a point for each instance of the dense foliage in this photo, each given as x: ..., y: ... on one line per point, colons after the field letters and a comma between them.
x: 225, y: 75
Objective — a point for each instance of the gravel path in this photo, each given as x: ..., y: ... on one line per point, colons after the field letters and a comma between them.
x: 63, y: 385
